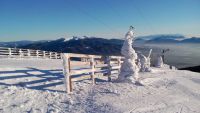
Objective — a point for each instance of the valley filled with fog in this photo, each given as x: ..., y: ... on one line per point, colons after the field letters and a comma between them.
x: 180, y: 55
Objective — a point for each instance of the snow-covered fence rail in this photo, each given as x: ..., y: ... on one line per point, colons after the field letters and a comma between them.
x: 75, y: 69
x: 27, y: 53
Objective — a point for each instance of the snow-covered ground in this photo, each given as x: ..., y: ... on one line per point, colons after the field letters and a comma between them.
x: 36, y: 86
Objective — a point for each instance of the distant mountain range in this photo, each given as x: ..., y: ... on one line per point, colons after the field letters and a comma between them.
x: 15, y: 43
x: 169, y: 39
x: 84, y: 45
x: 94, y: 45
x: 19, y: 43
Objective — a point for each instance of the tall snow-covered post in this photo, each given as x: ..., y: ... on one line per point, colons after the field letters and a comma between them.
x: 129, y: 69
x: 159, y: 62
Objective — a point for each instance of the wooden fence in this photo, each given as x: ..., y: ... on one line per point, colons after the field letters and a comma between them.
x: 75, y: 69
x: 27, y: 53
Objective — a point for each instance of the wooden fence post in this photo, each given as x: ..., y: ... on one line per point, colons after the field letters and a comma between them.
x: 56, y: 55
x: 59, y: 55
x: 119, y: 64
x: 9, y: 52
x: 109, y: 68
x: 44, y: 54
x: 20, y: 53
x: 50, y: 55
x: 37, y: 53
x: 66, y: 72
x: 92, y: 64
x: 28, y: 52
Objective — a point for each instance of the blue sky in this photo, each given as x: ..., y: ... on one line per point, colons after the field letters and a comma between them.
x: 52, y: 19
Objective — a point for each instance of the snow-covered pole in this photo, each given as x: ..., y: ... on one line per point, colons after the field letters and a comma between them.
x: 93, y: 69
x: 149, y: 53
x: 28, y: 52
x: 163, y: 54
x: 9, y: 52
x: 44, y: 54
x: 66, y: 72
x: 159, y: 62
x: 56, y: 55
x: 37, y: 53
x: 50, y: 53
x: 119, y: 63
x: 20, y: 53
x: 109, y: 68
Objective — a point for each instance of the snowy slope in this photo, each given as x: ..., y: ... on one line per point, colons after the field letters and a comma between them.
x: 36, y: 86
